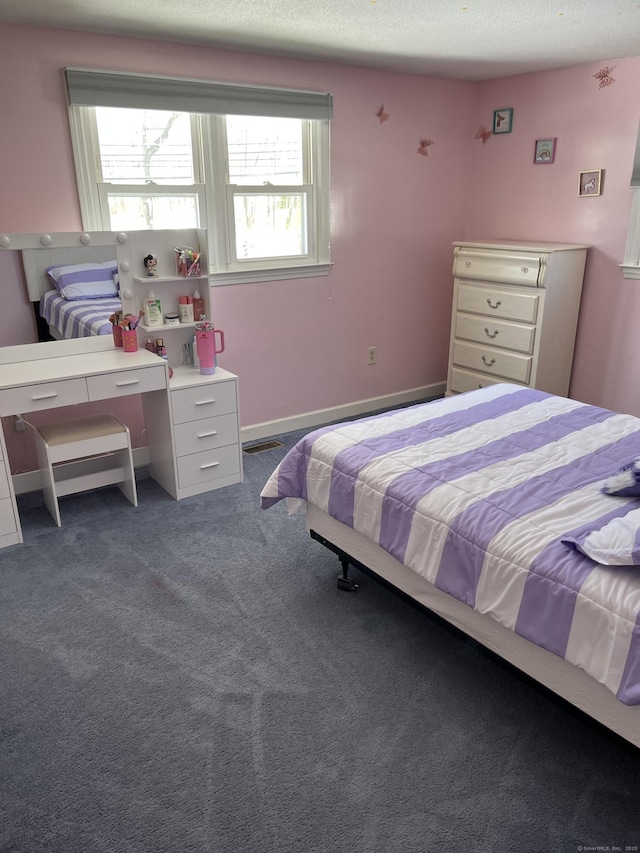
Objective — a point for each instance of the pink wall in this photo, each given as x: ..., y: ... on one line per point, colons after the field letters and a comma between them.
x: 301, y: 345
x: 511, y: 197
x: 297, y: 345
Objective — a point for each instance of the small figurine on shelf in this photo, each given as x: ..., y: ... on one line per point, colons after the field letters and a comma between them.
x: 151, y: 264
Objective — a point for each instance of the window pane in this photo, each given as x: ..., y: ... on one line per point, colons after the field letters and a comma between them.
x: 269, y: 226
x: 265, y: 150
x: 137, y: 146
x: 131, y: 213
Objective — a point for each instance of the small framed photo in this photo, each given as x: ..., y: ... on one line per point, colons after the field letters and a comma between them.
x: 503, y: 120
x: 590, y: 182
x: 545, y: 150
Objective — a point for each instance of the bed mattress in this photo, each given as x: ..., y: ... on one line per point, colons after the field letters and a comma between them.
x: 482, y: 495
x: 78, y: 318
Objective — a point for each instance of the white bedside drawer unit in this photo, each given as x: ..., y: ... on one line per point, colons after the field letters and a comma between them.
x: 515, y: 314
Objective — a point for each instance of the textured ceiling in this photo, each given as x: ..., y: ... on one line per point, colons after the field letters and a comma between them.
x: 464, y: 39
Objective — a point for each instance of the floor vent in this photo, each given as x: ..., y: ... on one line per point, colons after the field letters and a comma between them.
x: 266, y: 445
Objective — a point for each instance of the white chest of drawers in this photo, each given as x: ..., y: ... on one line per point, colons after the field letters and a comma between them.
x: 515, y: 314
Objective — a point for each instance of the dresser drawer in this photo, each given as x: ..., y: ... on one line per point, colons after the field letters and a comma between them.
x: 206, y: 434
x: 47, y: 395
x: 7, y: 518
x: 505, y: 365
x: 464, y: 380
x: 502, y: 267
x: 498, y: 333
x: 494, y: 302
x: 106, y: 386
x: 208, y: 465
x: 203, y: 401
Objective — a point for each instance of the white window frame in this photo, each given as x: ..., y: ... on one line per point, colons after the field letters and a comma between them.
x: 631, y: 264
x: 216, y: 196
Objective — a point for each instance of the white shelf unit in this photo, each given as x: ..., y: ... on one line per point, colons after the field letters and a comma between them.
x: 193, y: 431
x: 167, y: 286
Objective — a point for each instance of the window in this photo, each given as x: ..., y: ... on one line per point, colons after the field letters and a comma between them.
x: 258, y: 183
x: 631, y: 264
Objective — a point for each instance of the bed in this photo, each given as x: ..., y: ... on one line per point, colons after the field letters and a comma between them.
x: 74, y: 290
x: 490, y: 509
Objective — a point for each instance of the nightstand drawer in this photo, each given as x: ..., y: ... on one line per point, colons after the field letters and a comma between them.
x: 493, y: 302
x: 206, y: 434
x: 495, y: 362
x: 502, y: 267
x: 208, y: 465
x: 106, y: 386
x: 498, y: 333
x: 47, y: 395
x: 203, y: 401
x: 7, y: 518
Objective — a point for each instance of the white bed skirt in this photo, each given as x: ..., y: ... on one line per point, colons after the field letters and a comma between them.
x: 563, y: 678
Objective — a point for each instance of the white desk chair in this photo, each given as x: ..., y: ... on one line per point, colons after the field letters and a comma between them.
x: 84, y: 454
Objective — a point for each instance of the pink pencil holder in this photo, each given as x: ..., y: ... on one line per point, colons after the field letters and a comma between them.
x: 129, y: 340
x: 117, y: 334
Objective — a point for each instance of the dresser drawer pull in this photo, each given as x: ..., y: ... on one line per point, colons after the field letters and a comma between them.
x: 49, y: 396
x: 467, y: 263
x: 127, y: 382
x: 204, y: 402
x: 209, y: 465
x: 207, y: 434
x: 488, y: 363
x: 488, y: 333
x: 524, y: 269
x: 497, y: 305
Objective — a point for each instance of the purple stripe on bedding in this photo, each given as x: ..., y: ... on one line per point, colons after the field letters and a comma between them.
x: 292, y: 473
x: 555, y: 578
x: 350, y: 462
x: 474, y: 528
x: 629, y: 690
x: 408, y: 489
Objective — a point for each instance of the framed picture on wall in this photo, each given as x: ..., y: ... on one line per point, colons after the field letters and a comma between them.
x: 590, y: 182
x: 503, y: 120
x: 545, y: 150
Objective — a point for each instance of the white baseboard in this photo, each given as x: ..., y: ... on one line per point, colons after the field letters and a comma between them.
x: 349, y: 410
x: 30, y: 480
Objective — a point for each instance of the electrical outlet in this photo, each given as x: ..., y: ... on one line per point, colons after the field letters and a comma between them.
x: 20, y: 425
x: 373, y: 355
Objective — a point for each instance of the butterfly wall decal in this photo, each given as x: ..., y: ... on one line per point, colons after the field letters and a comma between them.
x: 604, y: 76
x: 422, y: 147
x: 382, y: 116
x: 482, y: 133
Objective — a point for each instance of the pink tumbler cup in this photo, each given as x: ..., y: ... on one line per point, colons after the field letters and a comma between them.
x: 206, y: 345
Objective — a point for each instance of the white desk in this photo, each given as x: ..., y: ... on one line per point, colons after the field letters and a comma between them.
x: 191, y: 422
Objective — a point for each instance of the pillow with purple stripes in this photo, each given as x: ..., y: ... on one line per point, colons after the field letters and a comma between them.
x: 626, y: 483
x: 85, y: 281
x: 616, y: 543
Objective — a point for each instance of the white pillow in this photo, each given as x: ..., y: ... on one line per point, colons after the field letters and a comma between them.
x: 616, y: 543
x: 85, y: 281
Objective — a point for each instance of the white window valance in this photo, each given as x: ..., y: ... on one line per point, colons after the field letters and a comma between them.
x: 94, y: 88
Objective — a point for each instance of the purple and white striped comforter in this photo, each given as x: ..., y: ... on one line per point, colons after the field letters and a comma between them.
x: 78, y: 318
x: 475, y: 493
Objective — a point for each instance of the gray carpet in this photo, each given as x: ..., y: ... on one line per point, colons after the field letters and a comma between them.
x: 186, y: 677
